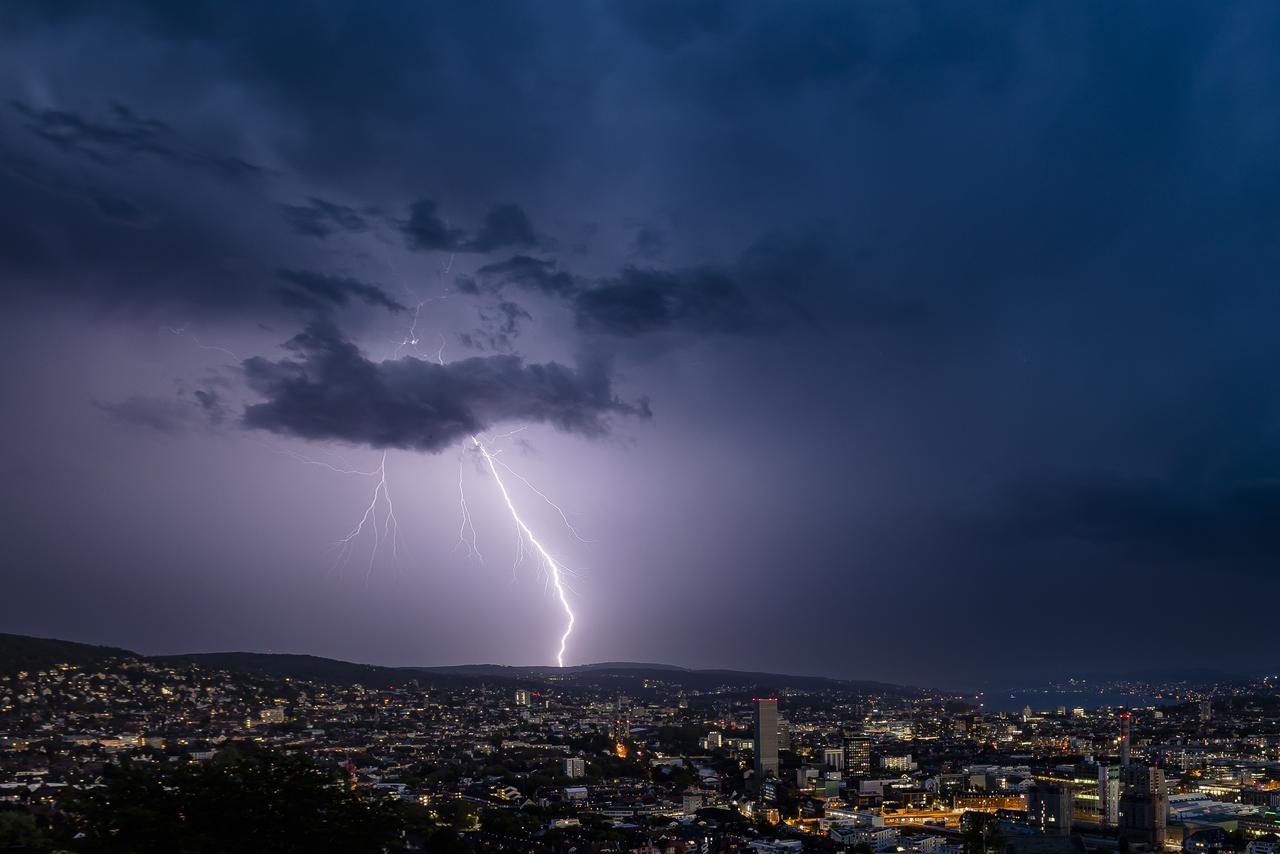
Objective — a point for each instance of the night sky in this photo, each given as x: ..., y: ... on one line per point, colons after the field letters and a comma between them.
x: 932, y: 343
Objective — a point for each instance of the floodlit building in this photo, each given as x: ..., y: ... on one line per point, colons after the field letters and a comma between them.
x: 765, y: 744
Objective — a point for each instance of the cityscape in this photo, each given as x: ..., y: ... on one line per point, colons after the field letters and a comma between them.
x: 639, y: 427
x: 640, y: 758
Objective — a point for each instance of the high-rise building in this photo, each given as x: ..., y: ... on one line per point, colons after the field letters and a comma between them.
x: 1124, y: 739
x: 1144, y: 804
x: 522, y: 697
x: 857, y: 754
x: 766, y: 740
x: 833, y: 757
x: 1206, y: 709
x: 1049, y: 809
x: 1108, y: 795
x: 574, y: 767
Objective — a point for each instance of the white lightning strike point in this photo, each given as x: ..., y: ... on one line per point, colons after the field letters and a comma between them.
x: 554, y: 570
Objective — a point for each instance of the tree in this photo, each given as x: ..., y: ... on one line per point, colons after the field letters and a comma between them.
x: 20, y: 829
x: 260, y: 802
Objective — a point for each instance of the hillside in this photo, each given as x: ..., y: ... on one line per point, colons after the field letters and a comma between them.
x: 19, y: 652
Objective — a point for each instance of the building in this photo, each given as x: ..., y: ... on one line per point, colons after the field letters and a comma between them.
x: 765, y: 745
x: 574, y: 767
x: 522, y: 697
x: 857, y: 755
x: 896, y: 762
x: 833, y: 757
x: 1108, y: 795
x: 1049, y: 808
x: 274, y: 715
x: 1144, y: 804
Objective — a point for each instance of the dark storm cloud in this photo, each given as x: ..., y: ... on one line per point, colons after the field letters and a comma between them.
x: 776, y: 283
x: 504, y: 226
x: 426, y: 230
x: 533, y: 274
x: 211, y: 403
x: 122, y: 134
x: 331, y: 392
x: 319, y: 291
x: 640, y: 301
x: 636, y: 301
x: 500, y: 325
x: 319, y: 218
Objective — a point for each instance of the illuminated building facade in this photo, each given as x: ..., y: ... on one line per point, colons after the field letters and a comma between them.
x: 765, y: 744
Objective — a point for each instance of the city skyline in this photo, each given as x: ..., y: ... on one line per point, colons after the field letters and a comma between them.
x: 932, y: 346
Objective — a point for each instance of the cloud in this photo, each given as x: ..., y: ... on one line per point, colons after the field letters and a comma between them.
x: 426, y: 230
x: 330, y: 391
x: 321, y: 292
x: 637, y: 300
x: 211, y: 403
x: 640, y: 301
x: 122, y: 134
x: 532, y: 274
x: 319, y: 218
x: 505, y: 225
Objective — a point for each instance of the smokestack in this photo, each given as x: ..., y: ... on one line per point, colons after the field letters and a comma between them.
x: 1124, y: 739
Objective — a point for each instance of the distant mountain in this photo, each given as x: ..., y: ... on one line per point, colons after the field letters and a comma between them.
x: 630, y: 675
x: 19, y: 652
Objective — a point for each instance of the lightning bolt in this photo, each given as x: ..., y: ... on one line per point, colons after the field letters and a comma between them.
x: 554, y: 571
x: 466, y: 530
x: 389, y: 524
x: 412, y: 338
x: 182, y: 330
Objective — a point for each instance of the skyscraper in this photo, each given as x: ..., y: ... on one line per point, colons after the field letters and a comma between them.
x: 766, y: 741
x: 857, y: 754
x: 1108, y: 794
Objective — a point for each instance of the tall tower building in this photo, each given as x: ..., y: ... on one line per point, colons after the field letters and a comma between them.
x: 1144, y: 804
x: 1124, y: 739
x: 766, y: 741
x: 1108, y: 795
